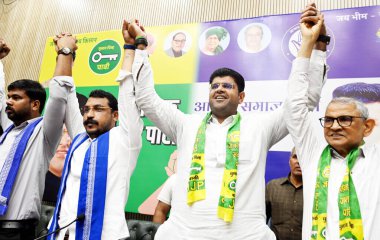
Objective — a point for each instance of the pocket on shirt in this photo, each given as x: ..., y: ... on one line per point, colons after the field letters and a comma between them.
x: 245, y: 152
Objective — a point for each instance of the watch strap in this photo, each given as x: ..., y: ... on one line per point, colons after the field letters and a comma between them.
x: 141, y: 40
x: 60, y: 51
x: 324, y: 38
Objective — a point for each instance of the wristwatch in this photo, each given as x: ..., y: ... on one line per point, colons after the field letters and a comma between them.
x: 324, y: 38
x: 141, y: 40
x: 65, y: 51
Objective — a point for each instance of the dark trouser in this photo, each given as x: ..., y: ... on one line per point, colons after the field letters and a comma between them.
x: 18, y: 230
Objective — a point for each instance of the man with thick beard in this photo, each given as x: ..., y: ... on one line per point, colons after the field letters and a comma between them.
x: 26, y: 147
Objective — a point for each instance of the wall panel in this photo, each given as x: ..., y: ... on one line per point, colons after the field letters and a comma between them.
x: 26, y: 24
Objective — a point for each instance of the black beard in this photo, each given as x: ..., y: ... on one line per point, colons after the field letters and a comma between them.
x: 17, y: 117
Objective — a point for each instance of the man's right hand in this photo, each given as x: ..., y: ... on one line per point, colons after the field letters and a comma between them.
x: 64, y: 62
x: 312, y: 23
x: 65, y: 40
x: 135, y: 29
x: 4, y: 49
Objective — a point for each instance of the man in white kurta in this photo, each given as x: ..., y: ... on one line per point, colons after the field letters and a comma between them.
x: 124, y: 147
x: 309, y: 145
x: 258, y: 133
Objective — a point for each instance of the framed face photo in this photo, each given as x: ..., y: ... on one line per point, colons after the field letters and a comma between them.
x: 177, y: 43
x: 214, y: 40
x: 254, y: 37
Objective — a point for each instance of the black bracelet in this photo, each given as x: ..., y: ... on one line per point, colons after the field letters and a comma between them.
x: 324, y: 38
x: 129, y: 46
x: 141, y: 40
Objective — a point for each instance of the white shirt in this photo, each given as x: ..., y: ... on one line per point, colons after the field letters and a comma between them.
x: 258, y: 133
x: 365, y: 173
x: 124, y: 147
x: 166, y: 192
x: 3, y: 116
x: 25, y: 199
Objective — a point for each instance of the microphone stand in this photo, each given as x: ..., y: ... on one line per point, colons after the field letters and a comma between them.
x: 79, y: 218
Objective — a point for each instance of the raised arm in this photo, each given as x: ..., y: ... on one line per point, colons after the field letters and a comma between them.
x: 63, y: 82
x: 129, y: 115
x: 4, y: 50
x: 58, y: 91
x: 274, y: 124
x: 318, y: 67
x: 165, y: 115
x: 311, y: 63
x: 298, y: 117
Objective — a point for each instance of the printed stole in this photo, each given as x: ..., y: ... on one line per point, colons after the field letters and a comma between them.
x: 350, y: 220
x: 92, y: 192
x: 12, y: 163
x: 197, y: 185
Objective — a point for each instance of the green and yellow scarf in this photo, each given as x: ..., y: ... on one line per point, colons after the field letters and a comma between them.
x: 197, y: 189
x: 350, y: 220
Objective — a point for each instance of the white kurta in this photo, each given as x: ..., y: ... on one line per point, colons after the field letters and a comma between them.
x: 124, y: 147
x: 258, y: 133
x: 365, y: 173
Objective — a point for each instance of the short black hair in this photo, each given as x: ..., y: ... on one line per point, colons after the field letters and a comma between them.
x: 365, y: 92
x: 112, y: 101
x: 223, y: 72
x: 33, y: 90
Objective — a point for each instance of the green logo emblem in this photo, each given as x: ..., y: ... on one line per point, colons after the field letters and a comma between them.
x: 348, y: 236
x: 195, y: 168
x: 232, y: 185
x: 105, y: 56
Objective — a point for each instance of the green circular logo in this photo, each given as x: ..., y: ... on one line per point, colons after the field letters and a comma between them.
x: 105, y: 56
x: 232, y: 185
x: 195, y: 168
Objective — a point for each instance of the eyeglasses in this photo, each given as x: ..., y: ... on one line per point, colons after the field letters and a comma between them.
x: 179, y: 41
x: 214, y: 86
x: 97, y: 108
x: 343, y: 121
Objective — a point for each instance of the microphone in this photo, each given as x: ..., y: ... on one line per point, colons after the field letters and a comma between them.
x: 79, y: 218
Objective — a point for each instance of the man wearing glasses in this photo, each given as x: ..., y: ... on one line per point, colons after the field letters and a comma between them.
x: 102, y: 156
x: 340, y: 177
x: 369, y: 94
x: 220, y: 187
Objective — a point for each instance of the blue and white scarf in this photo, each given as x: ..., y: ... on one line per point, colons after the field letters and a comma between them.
x: 12, y: 163
x: 93, y: 180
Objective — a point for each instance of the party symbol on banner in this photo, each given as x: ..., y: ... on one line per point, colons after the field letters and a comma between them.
x: 291, y: 42
x: 105, y: 56
x: 97, y: 57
